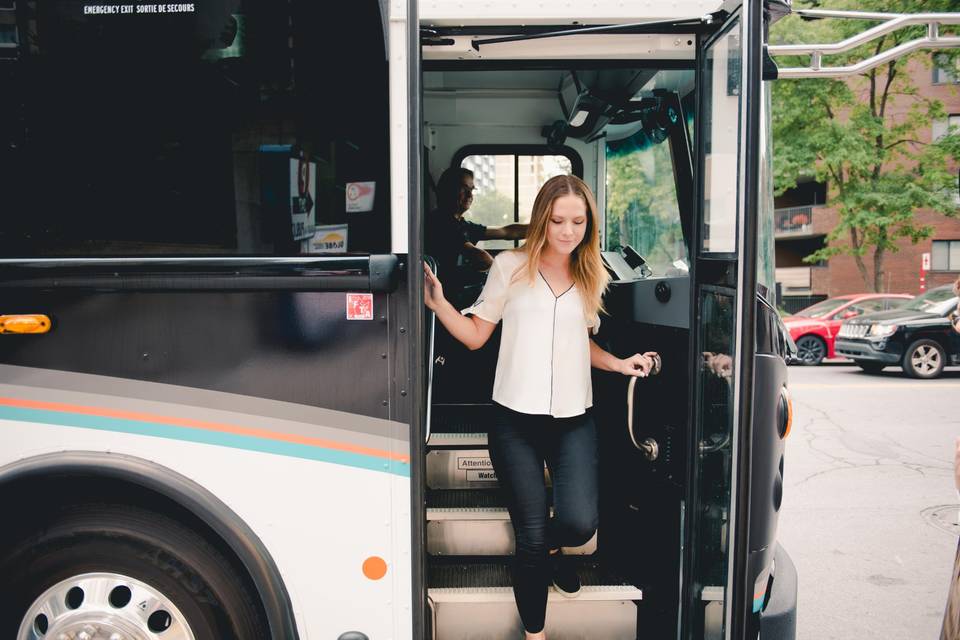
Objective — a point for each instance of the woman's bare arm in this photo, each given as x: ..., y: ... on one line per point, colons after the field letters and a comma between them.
x: 636, y: 365
x: 472, y: 331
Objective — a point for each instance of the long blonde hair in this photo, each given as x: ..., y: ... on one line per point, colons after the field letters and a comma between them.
x: 589, y: 274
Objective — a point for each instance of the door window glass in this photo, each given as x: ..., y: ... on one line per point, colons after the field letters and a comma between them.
x: 716, y: 401
x: 721, y: 168
x: 220, y: 127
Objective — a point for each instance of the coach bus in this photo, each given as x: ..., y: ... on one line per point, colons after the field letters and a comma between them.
x: 224, y: 410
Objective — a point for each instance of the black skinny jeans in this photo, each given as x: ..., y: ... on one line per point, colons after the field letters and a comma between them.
x: 519, y: 445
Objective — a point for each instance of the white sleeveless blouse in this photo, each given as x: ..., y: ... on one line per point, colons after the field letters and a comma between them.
x: 544, y: 361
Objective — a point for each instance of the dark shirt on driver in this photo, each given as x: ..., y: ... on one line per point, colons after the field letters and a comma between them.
x: 444, y: 238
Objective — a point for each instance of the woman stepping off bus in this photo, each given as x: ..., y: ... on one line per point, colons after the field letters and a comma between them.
x: 548, y: 294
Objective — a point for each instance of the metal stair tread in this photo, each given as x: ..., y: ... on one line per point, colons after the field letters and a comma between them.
x: 472, y: 440
x: 465, y: 498
x: 492, y: 582
x: 462, y: 419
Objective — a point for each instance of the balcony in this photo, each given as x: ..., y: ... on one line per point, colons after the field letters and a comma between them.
x: 793, y: 221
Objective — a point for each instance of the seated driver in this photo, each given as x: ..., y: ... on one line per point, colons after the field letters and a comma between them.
x: 450, y: 239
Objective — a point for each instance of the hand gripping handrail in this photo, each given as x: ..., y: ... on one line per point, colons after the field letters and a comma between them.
x: 890, y: 22
x: 649, y: 446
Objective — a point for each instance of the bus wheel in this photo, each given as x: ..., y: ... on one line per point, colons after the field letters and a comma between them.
x: 924, y: 359
x: 114, y: 571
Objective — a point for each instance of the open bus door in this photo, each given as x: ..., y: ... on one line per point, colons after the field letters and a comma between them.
x: 721, y: 573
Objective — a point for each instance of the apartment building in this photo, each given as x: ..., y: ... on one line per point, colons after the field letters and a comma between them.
x: 804, y: 217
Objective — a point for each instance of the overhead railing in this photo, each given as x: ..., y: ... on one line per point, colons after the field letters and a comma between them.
x: 890, y: 22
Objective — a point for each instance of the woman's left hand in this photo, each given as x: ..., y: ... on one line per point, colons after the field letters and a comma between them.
x: 636, y: 365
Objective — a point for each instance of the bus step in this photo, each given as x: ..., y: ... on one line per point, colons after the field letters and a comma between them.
x: 476, y: 601
x: 475, y: 523
x: 462, y: 469
x: 457, y: 440
x: 462, y: 418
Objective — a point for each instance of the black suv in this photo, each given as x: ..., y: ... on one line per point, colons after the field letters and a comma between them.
x: 918, y: 336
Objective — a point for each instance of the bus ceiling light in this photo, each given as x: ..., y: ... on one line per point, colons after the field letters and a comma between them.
x: 28, y: 323
x: 578, y: 118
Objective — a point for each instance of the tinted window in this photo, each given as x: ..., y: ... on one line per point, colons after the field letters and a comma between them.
x: 213, y: 127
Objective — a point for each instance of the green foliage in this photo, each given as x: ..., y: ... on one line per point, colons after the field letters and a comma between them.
x: 865, y: 137
x: 492, y: 209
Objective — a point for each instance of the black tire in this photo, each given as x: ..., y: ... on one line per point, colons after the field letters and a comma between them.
x: 871, y: 367
x: 135, y: 543
x: 811, y: 350
x: 924, y: 359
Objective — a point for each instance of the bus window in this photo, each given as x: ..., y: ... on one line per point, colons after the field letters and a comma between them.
x: 506, y: 185
x: 219, y: 128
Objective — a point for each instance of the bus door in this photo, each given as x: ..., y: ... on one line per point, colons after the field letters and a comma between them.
x: 717, y: 591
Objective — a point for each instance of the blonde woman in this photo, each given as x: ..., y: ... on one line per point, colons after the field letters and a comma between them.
x: 548, y: 295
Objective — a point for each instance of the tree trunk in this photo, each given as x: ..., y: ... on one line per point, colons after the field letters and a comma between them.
x: 878, y: 255
x: 857, y: 258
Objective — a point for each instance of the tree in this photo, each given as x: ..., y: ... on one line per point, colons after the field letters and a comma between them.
x: 863, y: 137
x: 492, y: 209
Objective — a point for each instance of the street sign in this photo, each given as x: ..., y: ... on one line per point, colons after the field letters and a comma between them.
x: 925, y: 261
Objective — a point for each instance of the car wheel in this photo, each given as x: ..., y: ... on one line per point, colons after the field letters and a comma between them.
x: 924, y: 359
x: 122, y: 572
x: 811, y: 350
x: 870, y: 367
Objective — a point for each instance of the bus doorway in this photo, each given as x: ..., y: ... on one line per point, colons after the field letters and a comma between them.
x: 625, y: 113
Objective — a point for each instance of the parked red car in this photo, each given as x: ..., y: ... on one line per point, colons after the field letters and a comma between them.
x: 815, y: 328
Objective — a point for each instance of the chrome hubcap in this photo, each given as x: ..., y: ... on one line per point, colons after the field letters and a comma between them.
x: 103, y: 606
x: 925, y: 359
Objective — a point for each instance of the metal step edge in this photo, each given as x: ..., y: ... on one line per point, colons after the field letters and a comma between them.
x: 472, y: 440
x: 467, y: 513
x: 594, y: 593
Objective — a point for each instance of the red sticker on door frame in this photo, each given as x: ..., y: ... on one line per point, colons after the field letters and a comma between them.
x: 359, y: 306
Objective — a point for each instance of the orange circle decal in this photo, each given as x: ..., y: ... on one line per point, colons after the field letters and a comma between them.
x: 374, y: 567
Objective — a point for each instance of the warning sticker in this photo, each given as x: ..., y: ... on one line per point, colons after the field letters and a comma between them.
x: 474, y: 463
x: 481, y: 476
x: 359, y: 306
x: 360, y: 196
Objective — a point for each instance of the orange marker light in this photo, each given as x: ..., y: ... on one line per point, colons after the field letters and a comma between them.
x: 374, y: 567
x: 29, y: 323
x: 786, y: 412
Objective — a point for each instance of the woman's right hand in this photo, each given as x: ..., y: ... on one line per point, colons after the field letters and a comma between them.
x: 432, y: 289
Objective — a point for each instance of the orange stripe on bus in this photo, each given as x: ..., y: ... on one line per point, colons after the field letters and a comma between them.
x: 202, y: 424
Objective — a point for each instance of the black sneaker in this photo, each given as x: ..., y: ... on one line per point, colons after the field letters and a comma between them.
x: 565, y: 577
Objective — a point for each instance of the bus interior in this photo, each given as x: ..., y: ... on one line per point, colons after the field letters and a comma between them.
x: 623, y: 122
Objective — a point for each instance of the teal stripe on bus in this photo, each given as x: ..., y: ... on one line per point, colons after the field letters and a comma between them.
x: 220, y: 439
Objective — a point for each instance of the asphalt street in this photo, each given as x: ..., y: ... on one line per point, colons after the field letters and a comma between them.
x: 869, y: 512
